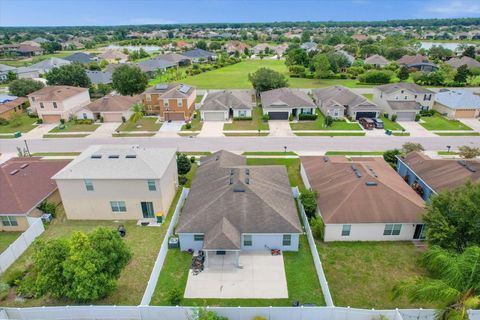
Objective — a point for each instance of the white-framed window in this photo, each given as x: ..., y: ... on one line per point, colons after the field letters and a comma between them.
x: 180, y: 103
x: 165, y: 103
x: 392, y: 229
x: 198, y: 237
x: 54, y: 105
x: 88, y: 184
x: 247, y: 240
x: 287, y: 240
x: 242, y: 113
x: 118, y: 206
x: 427, y: 97
x: 346, y: 228
x: 41, y: 105
x: 148, y: 97
x: 84, y: 116
x: 336, y: 113
x: 152, y: 186
x: 9, y: 221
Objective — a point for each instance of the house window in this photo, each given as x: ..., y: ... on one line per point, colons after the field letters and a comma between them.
x: 402, y: 91
x: 180, y: 103
x: 396, y: 97
x: 392, y: 229
x: 9, y: 221
x: 198, y: 237
x: 336, y: 113
x: 88, y: 184
x: 306, y: 111
x: 381, y: 95
x: 54, y: 105
x: 415, y: 96
x: 41, y: 105
x: 118, y: 206
x: 287, y: 240
x: 165, y: 103
x: 33, y: 98
x: 406, y: 97
x: 84, y: 116
x: 346, y: 230
x: 151, y: 185
x: 242, y: 113
x: 427, y: 97
x: 148, y: 97
x: 247, y: 240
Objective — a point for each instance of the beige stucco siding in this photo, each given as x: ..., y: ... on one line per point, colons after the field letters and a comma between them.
x: 65, y: 109
x: 22, y: 225
x: 168, y: 185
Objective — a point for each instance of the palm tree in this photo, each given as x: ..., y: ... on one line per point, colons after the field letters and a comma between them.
x: 455, y: 286
x: 138, y: 112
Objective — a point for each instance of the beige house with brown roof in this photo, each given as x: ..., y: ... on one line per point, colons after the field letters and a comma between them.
x: 113, y: 56
x: 377, y: 61
x: 112, y: 108
x: 53, y: 103
x: 363, y: 199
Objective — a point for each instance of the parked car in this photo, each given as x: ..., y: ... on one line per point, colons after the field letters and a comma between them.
x: 367, y: 123
x: 378, y: 123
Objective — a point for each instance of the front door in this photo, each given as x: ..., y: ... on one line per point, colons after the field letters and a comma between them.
x: 419, y: 233
x: 147, y: 209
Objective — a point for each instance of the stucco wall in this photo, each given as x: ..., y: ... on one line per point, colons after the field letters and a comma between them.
x: 65, y: 108
x: 22, y: 225
x: 367, y: 232
x: 236, y: 113
x: 381, y: 98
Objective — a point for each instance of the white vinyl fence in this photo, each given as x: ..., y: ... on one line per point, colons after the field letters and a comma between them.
x: 162, y: 254
x: 15, y: 250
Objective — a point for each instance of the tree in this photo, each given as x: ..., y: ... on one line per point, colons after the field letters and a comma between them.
x: 11, y: 76
x: 51, y: 46
x: 73, y: 74
x: 183, y: 164
x: 462, y: 74
x: 391, y: 157
x: 306, y: 36
x: 469, y: 52
x: 321, y: 65
x: 22, y: 87
x: 309, y: 201
x: 455, y: 286
x: 453, y: 218
x: 403, y: 73
x: 137, y: 112
x: 467, y: 152
x: 297, y: 57
x: 411, y: 146
x: 201, y: 45
x: 376, y: 76
x: 267, y: 79
x: 129, y: 80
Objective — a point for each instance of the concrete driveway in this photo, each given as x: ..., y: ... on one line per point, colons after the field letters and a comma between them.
x: 261, y: 276
x: 105, y: 130
x: 173, y: 126
x: 39, y: 131
x: 280, y: 128
x: 415, y: 129
x: 212, y: 129
x: 472, y: 123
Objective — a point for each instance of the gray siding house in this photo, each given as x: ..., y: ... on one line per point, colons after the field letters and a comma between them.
x: 280, y: 103
x: 221, y: 105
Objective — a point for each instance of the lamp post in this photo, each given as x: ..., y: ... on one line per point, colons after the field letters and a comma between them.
x: 448, y: 149
x: 26, y: 146
x: 285, y: 148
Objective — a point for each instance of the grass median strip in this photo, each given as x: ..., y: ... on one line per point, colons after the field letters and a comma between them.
x: 269, y: 153
x: 48, y: 136
x: 459, y: 134
x: 245, y: 134
x: 329, y: 134
x: 132, y: 135
x: 354, y: 153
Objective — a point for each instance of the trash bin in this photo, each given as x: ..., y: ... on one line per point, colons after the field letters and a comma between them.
x: 17, y: 134
x: 159, y: 218
x: 388, y: 132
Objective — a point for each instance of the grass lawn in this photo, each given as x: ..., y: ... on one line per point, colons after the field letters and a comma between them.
x: 144, y: 124
x: 71, y: 126
x: 390, y: 125
x: 197, y: 153
x: 246, y: 134
x: 54, y: 154
x: 198, y: 98
x: 447, y: 153
x: 329, y: 134
x: 293, y: 168
x: 236, y: 77
x: 49, y: 136
x: 457, y: 134
x: 196, y: 123
x: 438, y: 122
x: 132, y: 135
x: 302, y: 281
x: 255, y: 124
x: 30, y: 61
x: 318, y: 124
x: 11, y: 136
x: 362, y: 274
x: 269, y: 153
x: 6, y: 239
x: 24, y: 124
x: 401, y: 134
x: 354, y: 153
x: 369, y: 96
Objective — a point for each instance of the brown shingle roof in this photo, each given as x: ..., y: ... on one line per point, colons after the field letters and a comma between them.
x: 412, y: 59
x: 412, y: 87
x: 27, y: 187
x: 112, y: 103
x: 376, y: 59
x: 57, y: 93
x: 12, y: 104
x: 345, y: 198
x: 469, y: 62
x: 404, y: 105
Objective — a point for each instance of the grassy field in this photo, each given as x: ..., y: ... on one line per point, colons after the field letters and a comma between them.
x: 6, y: 239
x: 319, y: 124
x: 369, y: 96
x: 447, y: 153
x: 196, y: 123
x: 30, y: 61
x: 329, y: 134
x: 144, y: 124
x: 354, y: 153
x: 362, y: 274
x: 71, y: 126
x: 25, y: 124
x: 300, y: 272
x: 438, y: 122
x: 255, y: 124
x: 293, y: 168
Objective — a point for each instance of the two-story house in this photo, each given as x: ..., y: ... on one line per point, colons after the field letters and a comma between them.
x: 170, y: 101
x: 403, y: 99
x: 119, y: 182
x: 53, y: 103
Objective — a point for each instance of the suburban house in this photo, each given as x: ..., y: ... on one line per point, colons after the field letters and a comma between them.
x: 4, y: 70
x: 25, y: 183
x: 417, y: 62
x: 154, y: 65
x: 429, y: 176
x: 467, y: 61
x: 47, y: 65
x: 221, y: 105
x: 9, y: 108
x: 377, y: 61
x: 97, y: 77
x: 28, y: 50
x: 280, y: 103
x: 363, y: 199
x: 112, y: 108
x: 113, y: 56
x: 232, y: 207
x: 339, y: 102
x: 21, y: 73
x: 175, y: 58
x: 235, y: 46
x: 457, y: 103
x: 119, y: 182
x: 403, y: 99
x: 53, y: 103
x: 170, y: 101
x: 309, y: 46
x: 80, y: 57
x: 199, y: 55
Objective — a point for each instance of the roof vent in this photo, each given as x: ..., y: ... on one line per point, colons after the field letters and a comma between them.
x: 355, y: 170
x: 23, y: 166
x: 238, y: 189
x: 371, y: 183
x: 131, y: 156
x: 471, y: 168
x: 247, y: 172
x: 113, y: 156
x: 231, y: 180
x: 14, y: 172
x: 96, y: 156
x: 247, y: 180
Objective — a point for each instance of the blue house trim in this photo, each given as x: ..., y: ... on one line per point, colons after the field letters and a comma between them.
x: 411, y: 177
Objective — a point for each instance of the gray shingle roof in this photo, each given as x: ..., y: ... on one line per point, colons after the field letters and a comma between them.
x: 49, y: 64
x: 226, y: 99
x: 286, y: 97
x: 198, y: 53
x: 458, y: 99
x: 81, y: 57
x: 412, y: 87
x: 111, y: 103
x: 155, y: 64
x: 376, y: 59
x: 404, y: 105
x: 97, y: 77
x: 469, y: 62
x: 341, y: 96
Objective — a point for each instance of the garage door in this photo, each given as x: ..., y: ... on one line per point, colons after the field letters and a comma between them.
x: 277, y: 115
x: 51, y: 118
x: 406, y: 116
x: 214, y: 116
x: 465, y: 113
x: 365, y: 114
x: 112, y: 117
x: 175, y: 116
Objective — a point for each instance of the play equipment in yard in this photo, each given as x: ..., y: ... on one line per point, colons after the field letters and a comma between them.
x: 274, y: 252
x: 197, y: 263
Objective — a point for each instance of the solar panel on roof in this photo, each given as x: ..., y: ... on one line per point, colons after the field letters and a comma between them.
x: 184, y: 89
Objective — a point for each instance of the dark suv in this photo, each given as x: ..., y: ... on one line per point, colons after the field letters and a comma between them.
x: 378, y: 123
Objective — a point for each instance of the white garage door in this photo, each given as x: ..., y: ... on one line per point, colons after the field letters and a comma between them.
x: 214, y: 116
x: 406, y: 116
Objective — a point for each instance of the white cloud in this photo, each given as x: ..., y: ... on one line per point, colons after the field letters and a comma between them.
x: 456, y: 8
x: 147, y: 20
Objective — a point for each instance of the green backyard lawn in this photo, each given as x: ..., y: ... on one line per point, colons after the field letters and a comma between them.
x: 293, y: 167
x: 437, y: 122
x: 362, y: 274
x: 6, y: 239
x: 319, y: 124
x: 255, y: 124
x: 71, y: 126
x: 144, y: 124
x: 24, y: 123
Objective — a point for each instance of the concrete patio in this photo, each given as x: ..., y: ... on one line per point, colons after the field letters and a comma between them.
x: 261, y: 276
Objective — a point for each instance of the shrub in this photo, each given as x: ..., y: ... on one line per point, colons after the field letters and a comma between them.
x: 328, y: 121
x: 393, y: 117
x: 390, y: 157
x: 412, y: 146
x: 62, y: 121
x: 3, y: 291
x: 318, y: 227
x: 427, y: 113
x: 290, y: 117
x: 14, y: 277
x: 417, y: 117
x: 48, y: 207
x: 182, y: 180
x: 309, y: 201
x: 376, y: 76
x: 183, y: 164
x: 3, y: 122
x: 304, y: 116
x: 242, y: 118
x: 192, y: 159
x: 27, y: 288
x: 265, y: 117
x: 83, y: 121
x: 101, y: 119
x: 39, y: 121
x: 175, y: 296
x: 124, y: 119
x: 188, y: 126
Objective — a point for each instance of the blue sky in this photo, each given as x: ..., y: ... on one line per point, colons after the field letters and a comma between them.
x: 121, y: 12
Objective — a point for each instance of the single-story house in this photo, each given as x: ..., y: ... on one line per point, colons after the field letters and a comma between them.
x: 363, y: 199
x: 28, y: 50
x: 339, y: 101
x: 80, y: 57
x: 113, y: 56
x: 4, y: 70
x: 21, y: 73
x: 11, y: 107
x: 119, y: 182
x: 25, y: 183
x: 417, y: 62
x: 112, y: 108
x: 457, y: 103
x: 197, y: 55
x: 221, y: 105
x: 430, y: 176
x: 178, y: 59
x: 377, y: 61
x: 152, y: 66
x: 47, y: 65
x: 232, y: 207
x: 309, y: 46
x: 97, y: 77
x: 280, y: 103
x: 467, y: 61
